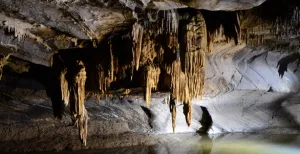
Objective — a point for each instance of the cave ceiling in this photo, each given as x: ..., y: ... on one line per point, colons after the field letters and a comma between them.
x: 52, y: 24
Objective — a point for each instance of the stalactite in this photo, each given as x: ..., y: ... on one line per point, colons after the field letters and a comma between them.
x: 104, y: 74
x: 137, y: 40
x: 171, y: 21
x: 222, y: 27
x: 148, y: 48
x: 65, y: 93
x: 179, y: 88
x: 282, y: 25
x: 78, y: 93
x: 187, y: 110
x: 20, y: 29
x: 187, y: 71
x: 3, y: 59
x: 111, y: 72
x: 210, y: 41
x: 194, y: 63
x: 152, y: 78
x: 102, y: 79
x: 98, y: 98
x: 195, y: 48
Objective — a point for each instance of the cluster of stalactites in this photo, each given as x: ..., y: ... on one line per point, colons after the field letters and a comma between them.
x: 3, y: 59
x: 144, y: 46
x: 179, y: 87
x: 179, y: 90
x: 162, y: 22
x: 188, y: 84
x: 220, y: 36
x: 170, y: 22
x: 184, y: 87
x: 253, y: 38
x: 187, y: 79
x: 282, y: 27
x: 195, y: 50
x: 217, y: 36
x: 144, y: 53
x: 225, y: 32
x: 287, y: 25
x: 272, y: 30
x: 73, y: 93
x: 105, y: 78
x: 152, y: 77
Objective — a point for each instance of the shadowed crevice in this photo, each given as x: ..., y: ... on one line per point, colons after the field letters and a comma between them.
x: 284, y: 62
x: 206, y: 120
x: 149, y: 115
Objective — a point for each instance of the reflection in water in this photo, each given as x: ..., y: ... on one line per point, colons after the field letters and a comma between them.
x: 206, y: 144
x: 231, y: 143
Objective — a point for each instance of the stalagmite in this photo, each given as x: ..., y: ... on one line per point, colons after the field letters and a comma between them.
x: 100, y: 77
